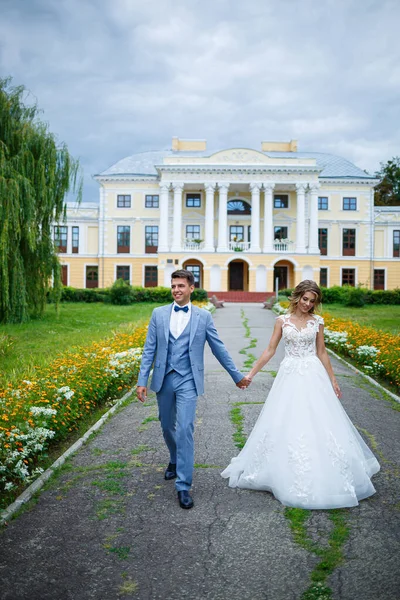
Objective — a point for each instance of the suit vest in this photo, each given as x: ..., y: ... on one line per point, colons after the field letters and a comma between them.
x: 178, y: 357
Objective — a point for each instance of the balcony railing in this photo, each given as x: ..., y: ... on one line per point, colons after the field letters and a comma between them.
x: 239, y: 246
x: 283, y: 246
x: 192, y: 246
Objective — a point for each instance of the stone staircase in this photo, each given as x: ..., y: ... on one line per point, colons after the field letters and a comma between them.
x: 234, y: 296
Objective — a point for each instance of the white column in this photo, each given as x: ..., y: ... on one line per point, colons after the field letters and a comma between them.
x: 313, y: 207
x: 255, y: 217
x: 102, y: 234
x: 177, y: 230
x: 163, y: 226
x: 300, y: 218
x: 209, y: 225
x: 223, y: 217
x: 268, y: 218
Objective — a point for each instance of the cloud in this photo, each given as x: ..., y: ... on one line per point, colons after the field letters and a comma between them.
x: 116, y: 77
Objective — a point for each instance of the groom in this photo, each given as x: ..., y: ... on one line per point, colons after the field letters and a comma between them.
x: 175, y: 344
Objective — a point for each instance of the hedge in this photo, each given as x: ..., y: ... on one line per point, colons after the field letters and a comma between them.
x: 354, y: 296
x: 123, y: 293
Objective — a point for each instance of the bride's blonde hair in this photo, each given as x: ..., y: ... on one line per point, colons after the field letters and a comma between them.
x: 304, y: 286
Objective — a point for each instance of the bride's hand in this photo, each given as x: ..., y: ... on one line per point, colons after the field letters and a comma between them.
x: 336, y: 388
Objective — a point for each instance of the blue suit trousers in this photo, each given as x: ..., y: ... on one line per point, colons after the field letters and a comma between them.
x: 177, y: 401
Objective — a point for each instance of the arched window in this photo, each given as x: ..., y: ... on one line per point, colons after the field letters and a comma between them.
x: 239, y: 207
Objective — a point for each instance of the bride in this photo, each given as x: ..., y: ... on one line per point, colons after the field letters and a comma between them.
x: 304, y: 448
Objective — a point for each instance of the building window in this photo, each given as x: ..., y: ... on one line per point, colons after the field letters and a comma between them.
x: 323, y: 277
x: 64, y: 274
x: 379, y: 279
x: 236, y: 233
x: 60, y: 238
x: 195, y: 269
x: 123, y: 239
x: 323, y: 241
x: 349, y: 242
x: 92, y: 277
x: 249, y: 233
x: 281, y: 201
x: 396, y: 243
x: 193, y: 200
x: 192, y: 232
x: 123, y: 201
x: 75, y: 240
x: 152, y: 201
x: 280, y: 233
x: 322, y: 203
x: 349, y: 203
x: 238, y: 207
x: 349, y: 277
x: 150, y: 277
x: 124, y: 272
x: 151, y: 236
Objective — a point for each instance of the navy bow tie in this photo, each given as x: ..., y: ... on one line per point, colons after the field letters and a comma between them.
x: 184, y: 308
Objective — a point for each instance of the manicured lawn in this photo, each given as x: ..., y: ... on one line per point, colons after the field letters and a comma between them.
x: 385, y: 317
x: 40, y: 340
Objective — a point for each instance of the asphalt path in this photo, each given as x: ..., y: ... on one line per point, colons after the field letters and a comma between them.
x: 108, y: 526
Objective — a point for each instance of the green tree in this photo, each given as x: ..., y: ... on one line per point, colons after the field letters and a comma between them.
x: 36, y: 173
x: 387, y: 192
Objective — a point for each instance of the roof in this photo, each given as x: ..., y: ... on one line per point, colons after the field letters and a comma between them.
x: 144, y: 163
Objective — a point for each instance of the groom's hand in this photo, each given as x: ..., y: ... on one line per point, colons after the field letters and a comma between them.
x: 244, y: 383
x: 141, y: 393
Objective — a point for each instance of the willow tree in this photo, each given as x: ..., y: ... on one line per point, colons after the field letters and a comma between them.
x: 36, y: 173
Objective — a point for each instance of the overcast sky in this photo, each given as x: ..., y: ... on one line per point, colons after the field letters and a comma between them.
x: 116, y: 77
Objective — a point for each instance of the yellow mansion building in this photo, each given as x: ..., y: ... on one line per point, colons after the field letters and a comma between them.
x: 240, y: 219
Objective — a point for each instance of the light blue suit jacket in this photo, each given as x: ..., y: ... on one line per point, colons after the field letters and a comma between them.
x: 202, y: 329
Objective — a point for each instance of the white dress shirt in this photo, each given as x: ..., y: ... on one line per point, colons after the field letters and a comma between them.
x: 179, y: 319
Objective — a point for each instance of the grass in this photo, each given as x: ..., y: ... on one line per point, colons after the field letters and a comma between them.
x: 380, y: 316
x: 331, y: 556
x: 78, y: 324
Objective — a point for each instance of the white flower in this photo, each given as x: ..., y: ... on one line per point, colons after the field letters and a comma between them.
x: 42, y: 410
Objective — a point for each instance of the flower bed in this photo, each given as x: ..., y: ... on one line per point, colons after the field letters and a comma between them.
x: 51, y: 406
x: 377, y: 352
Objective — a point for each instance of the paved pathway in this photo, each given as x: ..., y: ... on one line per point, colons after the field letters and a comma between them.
x: 109, y: 526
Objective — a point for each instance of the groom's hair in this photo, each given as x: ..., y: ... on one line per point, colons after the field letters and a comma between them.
x: 183, y: 274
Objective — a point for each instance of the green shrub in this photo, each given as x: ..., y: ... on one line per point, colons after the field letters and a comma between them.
x: 355, y: 296
x: 334, y: 295
x: 120, y: 293
x: 286, y: 292
x: 383, y: 296
x: 70, y: 294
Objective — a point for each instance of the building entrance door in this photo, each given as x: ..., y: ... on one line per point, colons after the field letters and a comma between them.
x: 282, y: 274
x: 236, y: 273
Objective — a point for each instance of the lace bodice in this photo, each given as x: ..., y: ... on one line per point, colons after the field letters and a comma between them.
x: 300, y: 343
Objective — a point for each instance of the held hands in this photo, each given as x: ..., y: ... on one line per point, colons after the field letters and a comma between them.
x: 141, y: 393
x: 244, y: 383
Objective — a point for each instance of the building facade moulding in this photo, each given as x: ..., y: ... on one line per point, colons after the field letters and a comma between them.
x: 355, y: 181
x: 241, y: 257
x: 267, y: 180
x: 127, y: 177
x: 286, y: 258
x: 194, y: 257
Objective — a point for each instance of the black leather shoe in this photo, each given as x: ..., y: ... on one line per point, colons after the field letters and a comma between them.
x: 170, y: 472
x: 185, y: 499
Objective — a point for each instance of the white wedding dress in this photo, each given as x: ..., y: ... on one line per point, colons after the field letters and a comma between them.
x: 304, y: 448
